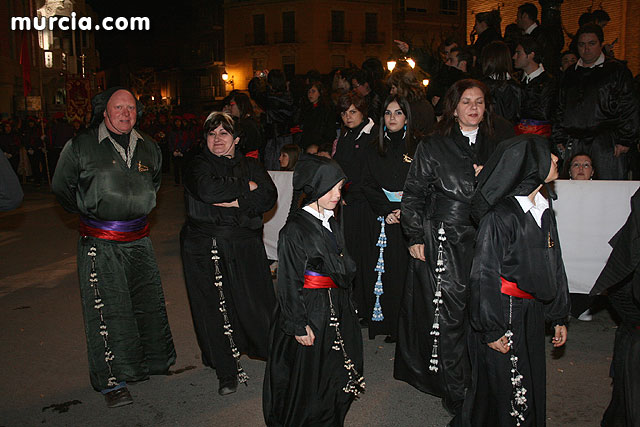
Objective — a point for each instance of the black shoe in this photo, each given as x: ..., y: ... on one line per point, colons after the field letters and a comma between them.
x: 119, y: 397
x: 364, y: 323
x: 228, y: 385
x: 389, y: 339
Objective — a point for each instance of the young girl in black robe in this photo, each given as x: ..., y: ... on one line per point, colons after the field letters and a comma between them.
x: 315, y: 344
x: 518, y: 283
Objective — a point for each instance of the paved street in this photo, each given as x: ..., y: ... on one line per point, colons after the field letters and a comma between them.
x: 43, y: 364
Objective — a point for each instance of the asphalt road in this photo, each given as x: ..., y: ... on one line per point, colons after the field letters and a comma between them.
x: 43, y: 362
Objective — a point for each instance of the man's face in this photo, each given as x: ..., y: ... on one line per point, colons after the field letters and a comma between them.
x: 520, y: 20
x: 361, y: 88
x: 120, y: 115
x: 521, y: 59
x: 452, y: 60
x: 589, y: 48
x: 447, y: 50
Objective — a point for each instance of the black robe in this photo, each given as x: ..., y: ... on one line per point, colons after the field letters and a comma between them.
x: 506, y: 97
x: 359, y: 221
x: 388, y: 172
x: 318, y: 124
x: 621, y: 278
x: 438, y: 190
x: 303, y: 386
x: 237, y: 234
x: 510, y: 244
x: 597, y: 110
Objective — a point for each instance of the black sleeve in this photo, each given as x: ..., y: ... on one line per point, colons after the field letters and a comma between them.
x: 559, y: 135
x: 65, y: 178
x: 372, y: 190
x: 416, y: 194
x: 485, y: 303
x: 558, y: 310
x: 204, y: 185
x: 10, y: 191
x: 262, y: 198
x: 292, y: 261
x: 624, y: 104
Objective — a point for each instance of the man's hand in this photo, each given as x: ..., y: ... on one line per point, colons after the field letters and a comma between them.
x: 403, y: 46
x: 252, y: 186
x: 500, y: 345
x: 417, y: 251
x: 619, y: 150
x: 308, y: 339
x: 477, y: 168
x: 233, y: 204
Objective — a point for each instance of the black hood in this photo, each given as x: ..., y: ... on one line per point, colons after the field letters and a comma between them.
x: 99, y: 105
x: 315, y: 176
x: 516, y: 168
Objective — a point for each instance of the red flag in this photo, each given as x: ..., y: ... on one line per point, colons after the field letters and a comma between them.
x: 25, y: 61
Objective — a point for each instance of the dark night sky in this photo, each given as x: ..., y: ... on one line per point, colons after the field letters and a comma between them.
x: 158, y: 47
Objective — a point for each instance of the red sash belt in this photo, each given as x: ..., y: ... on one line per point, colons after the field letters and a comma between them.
x: 120, y: 231
x: 511, y: 289
x: 313, y: 280
x: 533, y: 126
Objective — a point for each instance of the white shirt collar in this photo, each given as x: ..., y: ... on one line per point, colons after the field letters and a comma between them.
x: 322, y: 217
x: 134, y: 136
x: 471, y: 134
x: 599, y: 61
x: 531, y: 28
x: 536, y: 210
x: 528, y: 77
x: 367, y: 128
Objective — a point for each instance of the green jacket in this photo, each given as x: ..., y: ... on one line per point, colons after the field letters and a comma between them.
x: 97, y: 178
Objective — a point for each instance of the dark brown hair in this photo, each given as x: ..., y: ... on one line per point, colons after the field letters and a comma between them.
x: 496, y: 60
x: 352, y: 98
x: 293, y: 152
x: 407, y: 84
x: 452, y: 99
x: 216, y: 119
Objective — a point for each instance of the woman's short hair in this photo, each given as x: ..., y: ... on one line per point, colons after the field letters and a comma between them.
x: 352, y: 98
x: 452, y: 99
x: 216, y: 119
x: 496, y: 60
x: 293, y: 152
x: 407, y: 84
x: 243, y: 102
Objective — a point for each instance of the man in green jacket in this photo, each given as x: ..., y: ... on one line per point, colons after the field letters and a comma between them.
x: 109, y: 175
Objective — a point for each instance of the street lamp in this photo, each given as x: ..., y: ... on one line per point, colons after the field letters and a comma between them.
x: 425, y: 82
x: 391, y: 64
x: 225, y: 75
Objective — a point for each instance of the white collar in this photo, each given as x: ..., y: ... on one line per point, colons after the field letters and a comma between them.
x: 471, y: 134
x: 528, y: 77
x: 367, y: 128
x: 322, y: 217
x: 599, y: 61
x: 531, y: 28
x: 541, y: 205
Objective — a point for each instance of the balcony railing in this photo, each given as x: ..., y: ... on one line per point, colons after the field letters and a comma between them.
x: 373, y: 38
x: 288, y: 37
x: 255, y: 39
x: 340, y: 37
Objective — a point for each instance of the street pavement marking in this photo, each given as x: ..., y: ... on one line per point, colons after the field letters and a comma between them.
x: 45, y: 277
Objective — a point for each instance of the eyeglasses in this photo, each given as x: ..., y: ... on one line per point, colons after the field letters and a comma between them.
x: 585, y: 165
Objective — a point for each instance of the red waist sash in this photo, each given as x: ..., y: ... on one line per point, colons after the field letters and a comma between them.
x: 120, y: 231
x: 511, y: 289
x: 313, y: 280
x: 533, y: 126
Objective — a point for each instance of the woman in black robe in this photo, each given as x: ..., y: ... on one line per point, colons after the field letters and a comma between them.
x: 359, y: 222
x: 518, y: 282
x: 431, y: 348
x: 385, y: 172
x: 315, y: 353
x: 225, y: 264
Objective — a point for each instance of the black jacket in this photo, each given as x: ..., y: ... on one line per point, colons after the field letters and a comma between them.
x: 506, y: 96
x: 351, y: 152
x: 441, y: 180
x: 540, y: 98
x: 279, y: 108
x: 318, y: 125
x: 212, y: 179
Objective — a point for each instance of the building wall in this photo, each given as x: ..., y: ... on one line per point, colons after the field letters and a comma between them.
x: 624, y: 24
x: 312, y: 48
